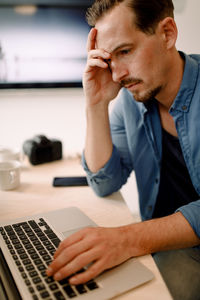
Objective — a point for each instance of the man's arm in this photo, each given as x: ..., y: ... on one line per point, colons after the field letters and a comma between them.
x: 108, y: 247
x: 98, y: 145
x: 99, y: 90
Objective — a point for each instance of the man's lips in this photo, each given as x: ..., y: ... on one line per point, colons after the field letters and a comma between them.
x: 131, y: 85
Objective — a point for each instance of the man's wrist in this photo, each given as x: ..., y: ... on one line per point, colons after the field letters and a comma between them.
x: 166, y: 233
x: 96, y: 107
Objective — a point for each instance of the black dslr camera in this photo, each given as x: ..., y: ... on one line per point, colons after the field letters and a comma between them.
x: 41, y: 150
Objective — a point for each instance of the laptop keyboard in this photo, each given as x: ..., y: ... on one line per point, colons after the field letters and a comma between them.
x: 32, y: 245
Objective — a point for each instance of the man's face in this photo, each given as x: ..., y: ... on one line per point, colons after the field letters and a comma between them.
x: 138, y: 61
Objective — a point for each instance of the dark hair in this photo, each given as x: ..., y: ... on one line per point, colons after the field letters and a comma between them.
x: 148, y: 12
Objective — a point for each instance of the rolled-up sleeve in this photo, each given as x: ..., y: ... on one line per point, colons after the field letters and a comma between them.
x: 191, y: 212
x: 108, y: 179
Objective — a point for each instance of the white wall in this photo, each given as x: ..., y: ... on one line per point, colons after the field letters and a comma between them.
x: 61, y: 113
x: 57, y: 113
x: 188, y: 23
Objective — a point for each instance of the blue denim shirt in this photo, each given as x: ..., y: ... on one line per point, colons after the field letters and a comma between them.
x: 137, y: 144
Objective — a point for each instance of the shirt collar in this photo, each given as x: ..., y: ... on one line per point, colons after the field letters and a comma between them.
x: 190, y: 75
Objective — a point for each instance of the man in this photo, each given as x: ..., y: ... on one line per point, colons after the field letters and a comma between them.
x: 153, y: 130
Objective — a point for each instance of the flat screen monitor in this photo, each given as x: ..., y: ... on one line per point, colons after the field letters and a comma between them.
x: 43, y: 45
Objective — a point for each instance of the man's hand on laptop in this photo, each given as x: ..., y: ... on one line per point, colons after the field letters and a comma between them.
x: 102, y: 248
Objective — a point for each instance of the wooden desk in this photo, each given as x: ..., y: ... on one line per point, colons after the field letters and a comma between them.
x: 36, y: 194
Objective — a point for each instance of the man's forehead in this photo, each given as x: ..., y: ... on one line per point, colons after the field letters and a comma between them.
x: 115, y: 28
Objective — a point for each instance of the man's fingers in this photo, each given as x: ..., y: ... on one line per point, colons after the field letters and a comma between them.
x: 93, y: 271
x: 96, y: 63
x: 66, y: 256
x: 74, y: 238
x: 91, y: 39
x: 78, y: 264
x: 97, y: 58
x: 98, y: 53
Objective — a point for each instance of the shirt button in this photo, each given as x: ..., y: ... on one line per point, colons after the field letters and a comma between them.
x: 184, y: 107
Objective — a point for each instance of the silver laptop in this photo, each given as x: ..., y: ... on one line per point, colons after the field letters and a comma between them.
x: 27, y: 246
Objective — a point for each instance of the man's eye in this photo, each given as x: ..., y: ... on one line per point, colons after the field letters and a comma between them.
x: 108, y: 61
x: 125, y: 51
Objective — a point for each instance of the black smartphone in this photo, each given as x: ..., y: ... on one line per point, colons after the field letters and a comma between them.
x: 70, y: 181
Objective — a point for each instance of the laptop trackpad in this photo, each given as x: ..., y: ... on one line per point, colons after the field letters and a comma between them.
x: 70, y: 232
x: 68, y: 220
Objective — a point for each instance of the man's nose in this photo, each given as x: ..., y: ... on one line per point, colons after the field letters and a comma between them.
x: 119, y: 72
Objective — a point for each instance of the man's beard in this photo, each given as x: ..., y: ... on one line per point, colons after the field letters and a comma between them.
x: 144, y: 97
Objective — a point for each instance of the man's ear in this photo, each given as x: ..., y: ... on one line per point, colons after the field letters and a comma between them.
x: 168, y: 30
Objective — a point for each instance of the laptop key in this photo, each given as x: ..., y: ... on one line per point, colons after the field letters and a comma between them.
x: 43, y: 252
x: 15, y: 257
x: 33, y: 273
x: 49, y: 280
x: 33, y: 238
x: 33, y: 224
x: 23, y: 256
x: 8, y: 228
x: 44, y: 294
x: 92, y: 285
x: 46, y: 257
x: 27, y: 282
x: 69, y: 291
x: 40, y: 287
x: 24, y: 275
x: 18, y: 263
x: 26, y: 261
x: 37, y: 280
x: 21, y: 251
x: 39, y: 247
x: 48, y: 262
x: 46, y: 243
x: 36, y: 242
x: 12, y: 235
x: 52, y: 236
x: 43, y: 238
x: 31, y: 289
x: 41, y: 267
x: 31, y: 251
x: 50, y: 248
x: 44, y: 274
x: 64, y: 281
x: 28, y: 246
x: 30, y: 267
x: 21, y: 269
x: 15, y: 241
x: 37, y: 261
x: 34, y: 256
x: 59, y: 296
x: 23, y: 237
x: 56, y: 242
x: 81, y: 289
x: 53, y: 286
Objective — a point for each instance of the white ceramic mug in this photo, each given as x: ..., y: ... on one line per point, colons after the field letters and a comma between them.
x: 7, y: 154
x: 9, y: 174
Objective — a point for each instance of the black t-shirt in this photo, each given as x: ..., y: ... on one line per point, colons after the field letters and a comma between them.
x: 176, y: 188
